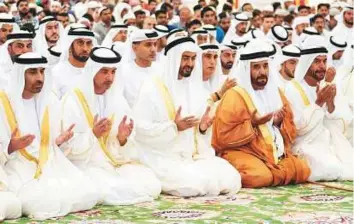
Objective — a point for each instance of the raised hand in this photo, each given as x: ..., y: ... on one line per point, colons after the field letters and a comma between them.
x: 322, y: 94
x: 330, y: 100
x: 17, y: 143
x: 185, y: 122
x: 279, y: 117
x: 101, y: 127
x: 65, y: 136
x: 259, y: 120
x: 229, y: 83
x: 206, y: 120
x: 330, y: 74
x: 124, y: 130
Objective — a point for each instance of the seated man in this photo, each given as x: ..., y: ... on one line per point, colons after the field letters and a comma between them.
x: 254, y: 128
x: 172, y: 118
x: 47, y: 184
x: 103, y: 147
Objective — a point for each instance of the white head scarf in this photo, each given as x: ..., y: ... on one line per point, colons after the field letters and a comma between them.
x: 40, y: 42
x: 100, y: 57
x: 191, y: 86
x: 8, y: 19
x: 108, y: 40
x: 215, y: 81
x: 348, y: 65
x: 267, y: 100
x: 54, y: 55
x: 297, y: 21
x: 17, y: 84
x: 5, y: 58
x: 336, y: 43
x: 200, y: 31
x: 74, y: 34
x: 118, y: 11
x: 254, y: 34
x: 231, y: 33
x: 308, y: 31
x: 340, y: 17
x: 212, y: 31
x: 313, y: 46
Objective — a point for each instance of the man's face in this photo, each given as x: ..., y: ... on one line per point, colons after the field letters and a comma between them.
x: 23, y: 8
x: 55, y: 9
x: 225, y: 23
x: 19, y: 47
x: 300, y: 28
x: 106, y: 16
x: 193, y: 27
x: 318, y: 67
x: 332, y: 23
x: 209, y: 17
x: 303, y: 12
x: 185, y: 15
x: 52, y: 32
x: 202, y: 3
x: 279, y: 20
x: 323, y: 11
x: 319, y: 24
x: 80, y: 49
x: 209, y: 60
x: 198, y: 14
x: 162, y: 42
x: 131, y: 22
x: 348, y: 18
x: 5, y: 29
x: 289, y: 67
x: 227, y: 58
x: 202, y: 39
x: 121, y: 36
x: 149, y: 23
x: 259, y: 74
x: 162, y: 19
x: 140, y: 20
x: 257, y: 21
x: 146, y: 50
x: 247, y: 8
x: 64, y: 20
x: 34, y: 80
x: 187, y: 64
x: 104, y: 78
x: 268, y: 23
x: 241, y: 28
x: 338, y: 55
x: 152, y: 6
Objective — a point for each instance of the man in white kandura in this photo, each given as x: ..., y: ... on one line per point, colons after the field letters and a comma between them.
x: 45, y: 181
x: 320, y: 116
x: 103, y: 145
x: 172, y: 116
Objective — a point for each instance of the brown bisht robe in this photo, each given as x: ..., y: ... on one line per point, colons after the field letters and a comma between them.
x: 250, y: 149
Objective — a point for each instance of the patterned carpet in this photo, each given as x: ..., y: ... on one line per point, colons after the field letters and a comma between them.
x: 292, y: 204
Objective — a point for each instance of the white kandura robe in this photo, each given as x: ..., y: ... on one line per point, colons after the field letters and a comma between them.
x: 60, y: 189
x: 171, y: 154
x: 10, y: 204
x: 128, y: 184
x: 320, y: 136
x: 65, y: 77
x: 133, y: 77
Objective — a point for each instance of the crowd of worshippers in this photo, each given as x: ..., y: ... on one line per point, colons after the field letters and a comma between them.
x: 116, y: 115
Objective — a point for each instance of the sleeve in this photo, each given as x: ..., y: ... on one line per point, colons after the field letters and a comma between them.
x: 5, y: 137
x: 151, y: 128
x: 232, y: 126
x: 84, y: 139
x: 288, y: 127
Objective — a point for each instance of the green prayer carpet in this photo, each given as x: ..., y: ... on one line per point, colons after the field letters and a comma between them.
x: 305, y: 203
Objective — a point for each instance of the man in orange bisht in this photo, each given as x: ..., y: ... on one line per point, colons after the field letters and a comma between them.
x: 254, y: 126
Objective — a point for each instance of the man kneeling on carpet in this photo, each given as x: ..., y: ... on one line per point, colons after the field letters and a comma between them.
x: 254, y: 126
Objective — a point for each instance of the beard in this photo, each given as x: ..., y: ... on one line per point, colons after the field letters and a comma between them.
x: 260, y: 81
x: 186, y: 71
x: 50, y: 39
x: 227, y: 65
x: 80, y: 58
x: 318, y: 75
x: 37, y: 87
x: 23, y: 14
x: 289, y: 73
x: 349, y: 22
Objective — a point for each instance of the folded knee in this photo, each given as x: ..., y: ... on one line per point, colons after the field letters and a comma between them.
x: 257, y: 179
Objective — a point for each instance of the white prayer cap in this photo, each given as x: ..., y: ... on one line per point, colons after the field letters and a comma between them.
x: 93, y: 5
x: 334, y: 11
x: 143, y: 34
x: 278, y: 34
x: 248, y: 14
x: 80, y: 9
x: 162, y: 30
x: 292, y: 8
x: 115, y: 28
x: 268, y: 8
x: 55, y: 3
x: 258, y: 50
x: 312, y: 47
x: 281, y: 12
x: 17, y: 84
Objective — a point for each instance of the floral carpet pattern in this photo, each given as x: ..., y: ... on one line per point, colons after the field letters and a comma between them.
x: 306, y: 203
